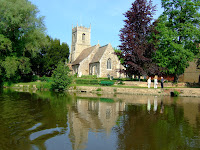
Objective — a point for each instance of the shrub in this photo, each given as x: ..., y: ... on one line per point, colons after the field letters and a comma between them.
x: 34, y: 78
x: 176, y: 93
x: 120, y: 83
x: 61, y: 77
x: 107, y: 83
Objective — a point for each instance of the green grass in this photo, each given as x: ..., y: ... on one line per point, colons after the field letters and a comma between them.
x: 122, y: 86
x: 39, y: 85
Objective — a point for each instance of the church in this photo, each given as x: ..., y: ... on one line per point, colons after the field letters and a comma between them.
x: 92, y: 60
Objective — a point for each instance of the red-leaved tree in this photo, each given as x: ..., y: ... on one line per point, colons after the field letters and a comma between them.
x: 136, y: 49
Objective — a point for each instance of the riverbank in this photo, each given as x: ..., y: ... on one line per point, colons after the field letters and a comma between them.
x: 187, y: 92
x: 136, y: 88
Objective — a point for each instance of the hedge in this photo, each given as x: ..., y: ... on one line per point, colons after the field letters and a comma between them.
x: 89, y: 76
x: 107, y: 83
x: 87, y: 81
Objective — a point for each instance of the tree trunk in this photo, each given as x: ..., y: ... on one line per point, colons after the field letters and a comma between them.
x: 176, y: 76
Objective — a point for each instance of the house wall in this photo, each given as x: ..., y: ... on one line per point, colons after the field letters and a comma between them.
x: 191, y: 74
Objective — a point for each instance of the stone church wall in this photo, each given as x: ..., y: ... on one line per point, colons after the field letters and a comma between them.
x: 84, y: 65
x: 115, y: 64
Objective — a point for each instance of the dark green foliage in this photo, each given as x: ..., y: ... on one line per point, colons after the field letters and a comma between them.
x: 46, y: 60
x: 61, y: 77
x: 107, y: 83
x: 34, y: 78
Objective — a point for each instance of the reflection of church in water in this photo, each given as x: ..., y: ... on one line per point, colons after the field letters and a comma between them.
x: 92, y: 115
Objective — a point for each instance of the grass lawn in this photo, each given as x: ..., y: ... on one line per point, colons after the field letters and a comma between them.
x: 39, y: 85
x: 118, y: 86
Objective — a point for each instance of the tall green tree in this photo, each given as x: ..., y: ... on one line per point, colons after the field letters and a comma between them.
x: 49, y: 56
x: 22, y: 32
x: 179, y: 35
x: 136, y: 51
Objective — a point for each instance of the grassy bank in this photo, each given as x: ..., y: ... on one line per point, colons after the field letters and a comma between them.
x: 47, y: 85
x: 38, y: 85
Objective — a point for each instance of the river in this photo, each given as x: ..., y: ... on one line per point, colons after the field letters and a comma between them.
x: 76, y: 121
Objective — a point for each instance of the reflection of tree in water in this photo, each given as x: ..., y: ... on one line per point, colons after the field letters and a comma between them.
x: 22, y: 111
x: 141, y: 130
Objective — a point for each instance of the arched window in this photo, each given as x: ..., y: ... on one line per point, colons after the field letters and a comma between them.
x: 109, y: 63
x: 83, y: 36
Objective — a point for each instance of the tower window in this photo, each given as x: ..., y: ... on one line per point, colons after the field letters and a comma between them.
x: 73, y: 37
x: 109, y: 63
x: 83, y: 36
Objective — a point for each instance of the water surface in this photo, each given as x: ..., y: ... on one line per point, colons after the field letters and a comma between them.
x: 63, y: 121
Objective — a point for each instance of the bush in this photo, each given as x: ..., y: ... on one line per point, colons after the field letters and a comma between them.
x: 107, y: 83
x: 120, y: 83
x: 176, y: 93
x: 61, y: 77
x: 34, y: 78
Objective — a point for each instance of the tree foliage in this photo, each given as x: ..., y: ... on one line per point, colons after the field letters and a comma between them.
x: 21, y: 33
x: 49, y: 56
x: 61, y: 77
x: 179, y: 35
x: 136, y: 50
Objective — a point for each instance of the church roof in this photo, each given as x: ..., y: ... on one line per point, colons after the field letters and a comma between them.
x: 85, y: 53
x: 99, y: 54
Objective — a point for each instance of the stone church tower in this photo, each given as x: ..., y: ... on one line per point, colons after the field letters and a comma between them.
x: 80, y: 41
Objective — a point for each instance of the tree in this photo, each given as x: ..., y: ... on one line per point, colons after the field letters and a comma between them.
x: 136, y: 50
x: 21, y: 33
x: 49, y: 56
x: 61, y: 77
x: 179, y: 35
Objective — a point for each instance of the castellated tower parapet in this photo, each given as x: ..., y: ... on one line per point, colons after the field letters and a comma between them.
x: 80, y: 41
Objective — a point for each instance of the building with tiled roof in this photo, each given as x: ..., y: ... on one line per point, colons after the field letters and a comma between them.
x: 92, y: 60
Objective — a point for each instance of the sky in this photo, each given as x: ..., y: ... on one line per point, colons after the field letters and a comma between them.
x: 105, y: 16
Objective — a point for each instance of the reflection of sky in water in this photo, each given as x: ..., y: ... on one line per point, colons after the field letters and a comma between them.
x: 34, y: 127
x: 35, y: 135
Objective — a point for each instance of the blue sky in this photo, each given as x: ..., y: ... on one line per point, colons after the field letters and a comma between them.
x: 105, y: 16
